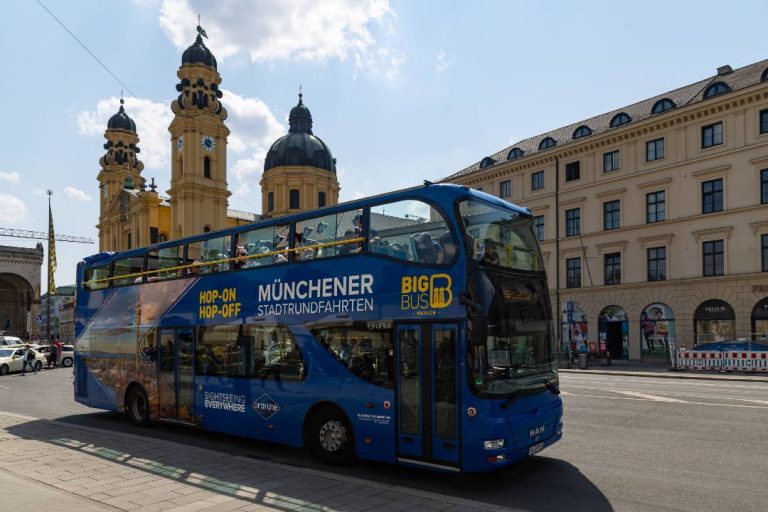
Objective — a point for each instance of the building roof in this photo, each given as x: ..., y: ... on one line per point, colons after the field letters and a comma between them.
x: 692, y: 94
x: 241, y: 215
x: 121, y: 121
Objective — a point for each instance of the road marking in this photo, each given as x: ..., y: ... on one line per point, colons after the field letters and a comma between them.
x: 740, y: 406
x: 654, y: 398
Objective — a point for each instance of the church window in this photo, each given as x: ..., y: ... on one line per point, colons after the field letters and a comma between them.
x: 320, y: 199
x: 207, y: 167
x: 270, y: 201
x: 294, y: 199
x: 181, y: 166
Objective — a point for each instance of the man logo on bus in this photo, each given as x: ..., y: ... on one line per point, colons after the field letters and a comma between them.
x: 265, y: 406
x: 426, y: 292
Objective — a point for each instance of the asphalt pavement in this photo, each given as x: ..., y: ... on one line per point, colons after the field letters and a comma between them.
x: 631, y: 442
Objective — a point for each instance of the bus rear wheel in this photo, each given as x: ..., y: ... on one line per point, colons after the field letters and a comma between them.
x: 331, y: 438
x: 137, y: 407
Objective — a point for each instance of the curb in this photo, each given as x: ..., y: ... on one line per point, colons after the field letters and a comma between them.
x: 670, y: 375
x: 461, y: 502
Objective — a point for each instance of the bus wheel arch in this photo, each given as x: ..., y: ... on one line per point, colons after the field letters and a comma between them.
x: 137, y: 405
x: 329, y: 435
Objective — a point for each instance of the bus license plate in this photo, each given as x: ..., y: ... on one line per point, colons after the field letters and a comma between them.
x: 535, y: 448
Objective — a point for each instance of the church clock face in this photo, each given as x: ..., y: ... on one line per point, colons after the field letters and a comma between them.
x: 180, y: 143
x: 208, y: 143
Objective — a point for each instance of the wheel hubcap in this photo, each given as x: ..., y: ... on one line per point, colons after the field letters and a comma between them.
x: 139, y: 407
x: 333, y: 436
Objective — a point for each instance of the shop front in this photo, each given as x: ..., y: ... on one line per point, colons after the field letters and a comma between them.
x: 657, y: 330
x: 713, y: 321
x: 575, y: 329
x: 760, y: 321
x: 613, y: 332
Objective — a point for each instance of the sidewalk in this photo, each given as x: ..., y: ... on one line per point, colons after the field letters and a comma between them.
x: 51, y: 465
x: 662, y: 370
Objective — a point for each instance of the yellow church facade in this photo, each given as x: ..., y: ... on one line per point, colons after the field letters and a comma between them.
x: 299, y: 170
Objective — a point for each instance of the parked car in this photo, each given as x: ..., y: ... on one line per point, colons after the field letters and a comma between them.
x: 66, y: 358
x: 12, y: 360
x: 10, y: 341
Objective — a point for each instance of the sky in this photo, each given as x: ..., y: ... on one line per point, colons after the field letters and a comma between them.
x: 401, y: 91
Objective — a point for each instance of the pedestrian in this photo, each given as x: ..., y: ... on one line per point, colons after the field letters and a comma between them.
x: 29, y: 359
x: 53, y: 354
x: 58, y: 346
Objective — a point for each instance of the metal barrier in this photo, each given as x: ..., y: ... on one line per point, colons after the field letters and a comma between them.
x: 699, y: 360
x: 745, y: 361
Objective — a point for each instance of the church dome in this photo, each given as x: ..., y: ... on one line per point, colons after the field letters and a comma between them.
x: 198, y: 53
x: 121, y: 121
x: 300, y: 147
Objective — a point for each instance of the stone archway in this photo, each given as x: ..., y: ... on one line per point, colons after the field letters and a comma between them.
x: 16, y: 299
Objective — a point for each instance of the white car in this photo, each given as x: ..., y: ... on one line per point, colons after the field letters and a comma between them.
x: 12, y: 360
x: 10, y: 341
x: 66, y: 358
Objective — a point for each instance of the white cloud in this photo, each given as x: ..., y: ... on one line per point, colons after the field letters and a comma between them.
x: 442, y: 62
x: 383, y: 63
x: 151, y: 118
x: 10, y: 177
x: 12, y: 210
x: 290, y: 29
x: 76, y: 194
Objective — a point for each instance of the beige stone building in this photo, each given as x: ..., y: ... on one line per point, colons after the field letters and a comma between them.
x: 299, y: 171
x: 653, y: 218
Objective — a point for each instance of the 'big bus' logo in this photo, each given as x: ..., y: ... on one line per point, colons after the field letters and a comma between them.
x: 419, y: 293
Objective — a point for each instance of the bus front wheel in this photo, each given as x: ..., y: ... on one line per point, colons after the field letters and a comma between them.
x: 330, y: 437
x: 137, y: 407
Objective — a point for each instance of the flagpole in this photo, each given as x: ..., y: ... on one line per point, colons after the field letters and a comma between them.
x: 50, y: 271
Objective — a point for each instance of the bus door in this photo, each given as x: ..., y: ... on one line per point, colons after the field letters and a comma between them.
x: 427, y: 391
x: 176, y: 369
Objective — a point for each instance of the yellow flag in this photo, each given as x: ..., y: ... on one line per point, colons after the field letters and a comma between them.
x: 51, y: 255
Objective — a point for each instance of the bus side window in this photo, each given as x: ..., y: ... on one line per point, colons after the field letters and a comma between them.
x: 274, y: 353
x: 364, y: 350
x: 96, y: 278
x: 131, y: 268
x: 165, y: 258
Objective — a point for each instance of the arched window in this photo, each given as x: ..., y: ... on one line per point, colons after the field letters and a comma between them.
x: 764, y: 76
x: 620, y: 119
x: 207, y: 167
x: 716, y: 89
x: 713, y: 321
x: 487, y: 162
x: 207, y: 229
x: 320, y: 199
x: 547, y: 143
x: 663, y: 105
x: 515, y: 153
x: 582, y: 131
x: 271, y: 202
x: 293, y: 199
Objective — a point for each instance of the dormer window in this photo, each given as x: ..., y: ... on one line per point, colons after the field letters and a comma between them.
x: 487, y: 162
x: 716, y: 89
x: 582, y: 131
x: 663, y: 105
x: 515, y: 153
x: 620, y: 119
x: 547, y: 143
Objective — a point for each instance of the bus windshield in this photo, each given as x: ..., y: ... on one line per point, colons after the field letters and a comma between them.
x: 499, y: 236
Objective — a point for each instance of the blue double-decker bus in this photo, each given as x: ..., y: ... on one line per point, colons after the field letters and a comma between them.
x: 412, y: 327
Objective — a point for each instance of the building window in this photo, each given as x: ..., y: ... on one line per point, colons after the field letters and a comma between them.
x: 713, y: 258
x: 657, y: 264
x: 271, y: 202
x: 611, y: 161
x: 515, y: 153
x: 487, y: 162
x: 128, y: 240
x: 654, y: 150
x: 538, y: 226
x: 764, y: 121
x: 712, y: 135
x: 573, y: 222
x: 505, y: 188
x: 655, y: 207
x: 537, y: 180
x: 293, y: 199
x: 572, y: 171
x: 712, y: 196
x: 613, y: 268
x: 573, y: 272
x: 764, y: 240
x: 612, y: 215
x: 320, y: 199
x: 547, y: 143
x: 716, y: 89
x: 663, y: 105
x: 764, y: 186
x: 582, y: 131
x: 207, y: 167
x: 620, y: 119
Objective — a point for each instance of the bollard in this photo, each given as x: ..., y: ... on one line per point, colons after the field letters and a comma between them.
x: 582, y: 361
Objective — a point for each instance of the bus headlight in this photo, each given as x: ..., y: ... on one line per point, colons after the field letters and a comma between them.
x: 494, y: 444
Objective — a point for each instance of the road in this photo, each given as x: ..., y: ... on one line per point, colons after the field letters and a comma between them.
x: 630, y: 443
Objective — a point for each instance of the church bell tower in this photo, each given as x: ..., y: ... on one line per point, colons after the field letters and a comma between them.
x: 199, y: 145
